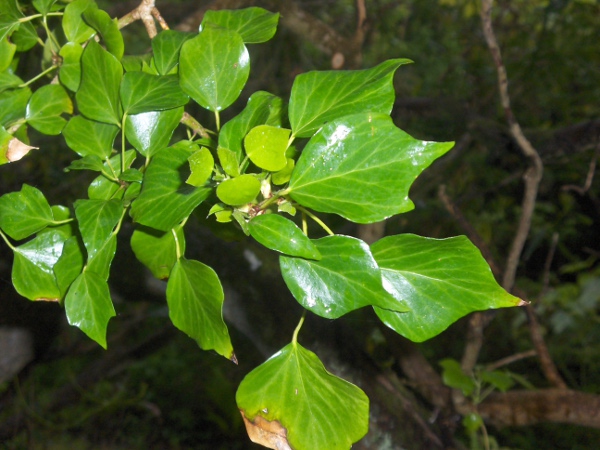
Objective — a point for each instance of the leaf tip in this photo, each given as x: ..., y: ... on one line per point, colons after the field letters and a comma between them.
x: 523, y: 302
x: 270, y: 434
x: 17, y: 149
x: 233, y: 359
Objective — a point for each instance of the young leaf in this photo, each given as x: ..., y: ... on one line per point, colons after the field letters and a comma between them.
x: 97, y: 220
x: 142, y: 92
x: 309, y: 408
x: 214, y: 67
x: 285, y: 174
x: 202, y: 164
x: 70, y: 69
x: 157, y: 250
x: 89, y: 137
x: 320, y: 97
x: 238, y: 191
x: 151, y: 131
x: 282, y: 235
x: 98, y: 94
x: 166, y: 47
x: 76, y: 30
x: 45, y: 108
x: 195, y: 299
x: 454, y: 377
x: 266, y: 145
x: 165, y: 199
x: 88, y: 306
x: 254, y: 24
x: 24, y: 213
x: 344, y: 279
x: 108, y: 28
x: 32, y: 273
x: 361, y: 167
x: 441, y: 280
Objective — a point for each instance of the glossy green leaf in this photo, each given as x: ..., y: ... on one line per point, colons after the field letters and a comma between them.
x: 32, y: 274
x: 454, y: 377
x: 45, y: 109
x: 88, y: 162
x: 108, y: 28
x: 7, y: 52
x: 282, y: 235
x: 76, y: 30
x: 43, y: 6
x: 131, y: 176
x: 9, y: 81
x: 24, y: 213
x: 361, y: 167
x: 25, y: 37
x: 165, y: 199
x: 142, y: 92
x: 104, y: 188
x: 157, y: 250
x: 69, y: 265
x: 202, y: 164
x: 344, y: 279
x: 316, y: 409
x: 70, y: 69
x: 98, y: 94
x: 285, y: 174
x: 195, y: 299
x: 214, y: 67
x: 97, y: 220
x: 441, y: 280
x: 166, y: 47
x: 12, y: 104
x: 102, y: 259
x: 9, y: 17
x: 238, y: 191
x: 266, y: 145
x: 89, y: 137
x: 261, y: 109
x: 88, y: 306
x: 151, y: 131
x: 254, y: 24
x: 320, y: 97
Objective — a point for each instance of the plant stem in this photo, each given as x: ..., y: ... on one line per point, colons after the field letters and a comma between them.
x: 123, y: 142
x: 304, y: 224
x: 194, y: 125
x: 316, y: 219
x: 297, y: 330
x: 7, y: 241
x: 218, y: 120
x: 177, y: 249
x: 37, y: 77
x: 61, y: 222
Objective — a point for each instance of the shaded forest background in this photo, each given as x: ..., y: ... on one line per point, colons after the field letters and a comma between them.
x: 154, y: 388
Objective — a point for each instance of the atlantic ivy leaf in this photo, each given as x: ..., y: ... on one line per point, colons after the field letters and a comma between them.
x: 284, y: 175
x: 97, y: 220
x: 262, y: 109
x: 45, y: 109
x: 7, y: 52
x: 239, y: 190
x: 32, y: 273
x: 320, y: 97
x: 69, y: 264
x: 441, y: 280
x: 98, y: 94
x: 88, y: 162
x: 166, y: 46
x: 151, y: 131
x: 214, y: 67
x: 108, y: 28
x: 293, y: 393
x: 9, y: 81
x: 157, y: 250
x: 202, y: 165
x: 165, y: 199
x: 142, y: 92
x: 12, y: 104
x: 361, y: 167
x: 104, y: 188
x: 344, y: 279
x: 25, y: 37
x: 255, y: 25
x: 89, y: 137
x: 9, y: 17
x: 195, y: 298
x: 266, y: 145
x: 88, y: 306
x: 43, y: 6
x: 282, y: 235
x: 102, y: 259
x: 24, y: 213
x: 70, y: 69
x: 76, y: 30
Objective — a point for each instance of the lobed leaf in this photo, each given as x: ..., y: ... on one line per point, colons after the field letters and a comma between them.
x: 108, y: 28
x: 24, y: 213
x: 157, y: 250
x: 282, y: 235
x: 255, y: 25
x: 310, y: 408
x: 76, y: 30
x: 361, y: 167
x: 97, y: 220
x: 166, y: 46
x: 441, y: 280
x: 45, y: 109
x: 142, y: 92
x: 150, y: 132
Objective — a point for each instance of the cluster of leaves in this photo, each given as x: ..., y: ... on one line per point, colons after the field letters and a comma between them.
x: 332, y: 148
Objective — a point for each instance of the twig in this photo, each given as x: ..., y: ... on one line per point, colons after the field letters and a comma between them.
x: 533, y: 175
x: 143, y: 12
x: 510, y: 359
x: 548, y: 264
x: 589, y: 178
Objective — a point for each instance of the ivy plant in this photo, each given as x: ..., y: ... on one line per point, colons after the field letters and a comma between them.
x: 330, y: 148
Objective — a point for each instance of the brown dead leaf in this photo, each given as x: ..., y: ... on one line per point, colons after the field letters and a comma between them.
x: 17, y: 149
x: 270, y: 434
